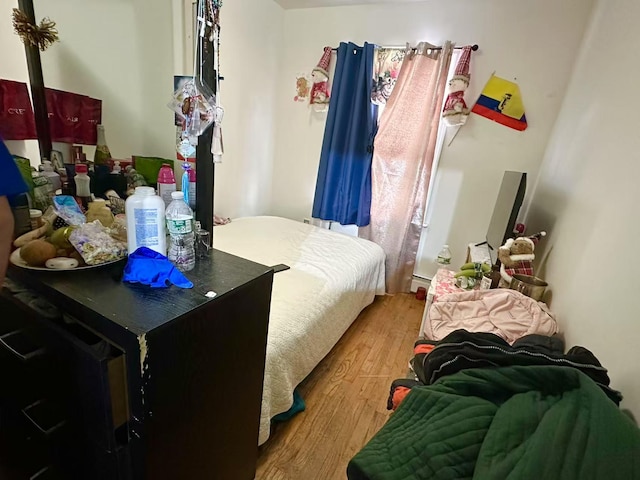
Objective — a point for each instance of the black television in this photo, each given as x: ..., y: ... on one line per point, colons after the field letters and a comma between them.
x: 505, y: 211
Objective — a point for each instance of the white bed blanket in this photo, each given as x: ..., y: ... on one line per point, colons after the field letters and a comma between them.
x: 332, y: 278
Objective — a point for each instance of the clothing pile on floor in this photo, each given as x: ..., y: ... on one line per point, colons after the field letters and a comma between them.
x: 461, y: 350
x: 507, y: 403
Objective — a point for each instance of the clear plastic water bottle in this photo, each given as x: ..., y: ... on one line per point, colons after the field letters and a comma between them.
x: 181, y: 249
x: 444, y: 257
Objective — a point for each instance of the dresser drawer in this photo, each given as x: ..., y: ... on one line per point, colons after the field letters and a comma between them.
x: 60, y: 362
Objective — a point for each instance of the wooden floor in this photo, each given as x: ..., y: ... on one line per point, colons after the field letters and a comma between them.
x: 345, y: 395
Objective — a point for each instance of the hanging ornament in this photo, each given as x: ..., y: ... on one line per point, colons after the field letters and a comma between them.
x: 41, y: 36
x: 455, y: 110
x: 195, y: 105
x: 319, y: 98
x: 193, y: 101
x: 217, y: 146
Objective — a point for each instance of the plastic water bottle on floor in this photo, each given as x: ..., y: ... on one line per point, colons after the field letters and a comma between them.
x: 179, y: 217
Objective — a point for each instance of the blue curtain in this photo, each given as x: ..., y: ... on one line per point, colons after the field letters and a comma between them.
x: 343, y: 188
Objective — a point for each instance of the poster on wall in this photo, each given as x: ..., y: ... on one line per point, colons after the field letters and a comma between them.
x: 501, y: 101
x: 303, y: 86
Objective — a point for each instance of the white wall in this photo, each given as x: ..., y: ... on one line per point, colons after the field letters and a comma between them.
x: 90, y: 62
x: 119, y: 52
x: 586, y: 199
x: 535, y: 42
x: 250, y: 50
x: 123, y: 53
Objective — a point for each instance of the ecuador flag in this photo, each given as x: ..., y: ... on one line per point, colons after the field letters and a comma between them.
x: 501, y: 102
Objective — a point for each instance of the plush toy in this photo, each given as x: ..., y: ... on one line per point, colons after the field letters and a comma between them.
x: 319, y: 98
x: 516, y: 256
x: 455, y: 111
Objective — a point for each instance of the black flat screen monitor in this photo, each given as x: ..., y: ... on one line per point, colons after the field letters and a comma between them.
x: 506, y: 211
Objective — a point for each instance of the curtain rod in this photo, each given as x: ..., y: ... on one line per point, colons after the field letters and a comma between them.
x: 474, y: 47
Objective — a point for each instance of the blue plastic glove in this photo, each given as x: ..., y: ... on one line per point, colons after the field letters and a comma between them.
x: 149, y: 267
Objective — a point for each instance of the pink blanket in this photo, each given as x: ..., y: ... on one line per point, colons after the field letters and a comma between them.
x: 506, y: 313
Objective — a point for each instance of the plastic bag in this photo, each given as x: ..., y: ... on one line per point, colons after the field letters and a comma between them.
x: 96, y: 244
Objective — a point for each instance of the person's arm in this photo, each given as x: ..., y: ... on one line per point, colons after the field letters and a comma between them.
x: 6, y: 235
x: 11, y: 184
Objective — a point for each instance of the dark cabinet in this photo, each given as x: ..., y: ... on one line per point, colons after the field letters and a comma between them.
x: 106, y: 380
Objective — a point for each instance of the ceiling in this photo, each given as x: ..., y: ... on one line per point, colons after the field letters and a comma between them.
x: 289, y: 4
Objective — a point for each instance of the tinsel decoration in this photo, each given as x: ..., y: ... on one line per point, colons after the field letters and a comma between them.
x: 41, y: 36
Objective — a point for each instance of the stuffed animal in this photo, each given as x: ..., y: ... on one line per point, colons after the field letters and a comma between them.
x: 319, y: 97
x: 455, y: 111
x: 516, y: 256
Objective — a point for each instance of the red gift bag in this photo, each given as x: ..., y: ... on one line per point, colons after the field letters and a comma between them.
x: 16, y: 115
x: 73, y: 118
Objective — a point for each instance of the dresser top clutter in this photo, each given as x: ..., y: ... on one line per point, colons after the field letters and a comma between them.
x: 102, y: 296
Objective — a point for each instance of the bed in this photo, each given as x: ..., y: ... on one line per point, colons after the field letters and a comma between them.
x: 332, y: 278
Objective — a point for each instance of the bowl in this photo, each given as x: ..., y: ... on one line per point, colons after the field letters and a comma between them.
x: 529, y: 285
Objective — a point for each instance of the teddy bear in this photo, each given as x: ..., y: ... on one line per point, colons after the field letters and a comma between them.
x: 516, y: 256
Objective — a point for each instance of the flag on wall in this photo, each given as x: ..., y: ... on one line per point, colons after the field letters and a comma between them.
x: 501, y: 101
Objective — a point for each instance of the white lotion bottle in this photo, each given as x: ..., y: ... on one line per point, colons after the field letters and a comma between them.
x: 145, y: 221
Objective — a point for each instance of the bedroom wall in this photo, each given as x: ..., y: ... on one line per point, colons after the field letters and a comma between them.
x: 250, y: 63
x: 585, y: 198
x: 117, y: 58
x: 535, y: 42
x: 150, y: 50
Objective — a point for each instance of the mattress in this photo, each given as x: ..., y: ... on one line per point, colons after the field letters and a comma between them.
x: 333, y: 277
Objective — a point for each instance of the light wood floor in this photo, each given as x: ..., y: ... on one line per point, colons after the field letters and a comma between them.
x: 345, y: 395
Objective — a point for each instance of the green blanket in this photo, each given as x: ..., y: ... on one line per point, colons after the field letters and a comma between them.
x: 533, y: 422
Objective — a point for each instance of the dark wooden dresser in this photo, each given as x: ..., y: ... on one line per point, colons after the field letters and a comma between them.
x: 105, y: 380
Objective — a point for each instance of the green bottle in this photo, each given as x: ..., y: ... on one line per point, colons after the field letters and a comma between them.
x: 102, y: 154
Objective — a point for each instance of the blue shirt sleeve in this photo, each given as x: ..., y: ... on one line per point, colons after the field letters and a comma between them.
x: 11, y: 182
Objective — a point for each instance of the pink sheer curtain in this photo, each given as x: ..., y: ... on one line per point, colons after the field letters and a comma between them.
x: 403, y: 154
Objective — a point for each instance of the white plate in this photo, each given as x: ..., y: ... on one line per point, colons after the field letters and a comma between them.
x: 17, y: 260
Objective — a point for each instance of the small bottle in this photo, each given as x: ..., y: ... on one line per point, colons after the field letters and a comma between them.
x: 102, y: 150
x: 117, y: 180
x: 444, y: 257
x: 179, y: 217
x: 203, y: 241
x: 189, y: 185
x: 495, y: 275
x: 166, y: 183
x: 36, y: 218
x: 83, y: 183
x: 78, y: 154
x: 145, y: 221
x: 21, y: 214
